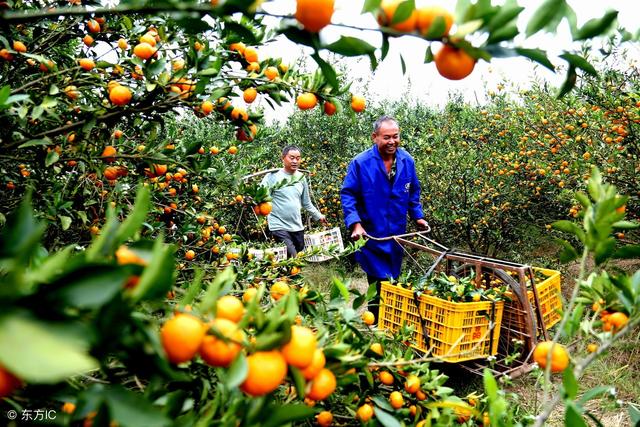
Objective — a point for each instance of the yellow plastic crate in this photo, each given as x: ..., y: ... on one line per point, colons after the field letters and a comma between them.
x: 549, y: 295
x: 457, y: 331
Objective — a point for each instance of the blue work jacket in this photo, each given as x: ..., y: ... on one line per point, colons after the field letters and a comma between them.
x: 381, y: 207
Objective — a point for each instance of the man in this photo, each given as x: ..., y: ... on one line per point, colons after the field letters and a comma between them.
x: 289, y: 192
x: 381, y: 187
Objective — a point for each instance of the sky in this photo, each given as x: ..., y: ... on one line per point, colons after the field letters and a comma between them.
x: 421, y: 80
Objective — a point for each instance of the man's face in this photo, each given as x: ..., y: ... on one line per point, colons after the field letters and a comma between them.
x: 387, y: 138
x: 291, y: 161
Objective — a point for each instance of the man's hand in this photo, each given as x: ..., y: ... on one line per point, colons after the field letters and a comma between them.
x: 422, y: 224
x: 324, y: 221
x: 358, y: 231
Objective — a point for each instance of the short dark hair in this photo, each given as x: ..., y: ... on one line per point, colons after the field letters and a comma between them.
x: 382, y: 119
x: 288, y: 148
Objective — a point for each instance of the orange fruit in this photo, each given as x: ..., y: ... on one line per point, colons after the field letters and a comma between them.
x: 267, y: 370
x: 47, y: 65
x: 618, y: 320
x: 239, y: 113
x: 206, y: 107
x: 314, y: 15
x: 242, y: 135
x: 306, y: 101
x: 218, y: 352
x: 428, y: 14
x: 182, y: 337
x: 68, y: 408
x: 8, y: 382
x: 120, y: 95
x: 324, y: 419
x: 396, y: 400
x: 271, y: 73
x: 412, y: 384
x: 249, y: 294
x: 329, y: 108
x: 250, y: 54
x: 376, y: 347
x: 144, y: 50
x: 18, y: 46
x: 232, y: 150
x: 386, y: 377
x: 317, y: 363
x: 122, y: 44
x: 358, y: 103
x: 322, y: 385
x: 7, y: 56
x: 117, y: 134
x: 453, y: 63
x: 253, y: 67
x: 387, y: 11
x: 109, y: 153
x: 72, y: 92
x: 93, y: 26
x: 229, y: 307
x: 125, y: 256
x: 592, y: 348
x: 559, y: 356
x: 265, y: 208
x: 87, y: 40
x: 279, y: 290
x: 300, y: 349
x: 190, y: 255
x: 364, y: 413
x: 249, y: 95
x: 368, y: 318
x: 283, y: 68
x: 87, y: 64
x: 148, y: 38
x: 238, y: 47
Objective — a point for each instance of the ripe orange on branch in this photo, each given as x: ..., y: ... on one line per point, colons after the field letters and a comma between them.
x: 181, y: 337
x: 300, y: 349
x: 314, y: 15
x: 249, y: 95
x: 219, y: 352
x: 388, y: 9
x: 559, y: 356
x: 306, y: 101
x: 266, y: 371
x: 322, y: 385
x: 427, y: 15
x: 144, y: 50
x: 454, y: 63
x: 358, y: 103
x: 120, y: 95
x: 229, y: 307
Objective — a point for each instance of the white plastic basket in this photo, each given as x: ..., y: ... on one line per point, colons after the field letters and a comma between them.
x: 279, y: 252
x: 323, y: 239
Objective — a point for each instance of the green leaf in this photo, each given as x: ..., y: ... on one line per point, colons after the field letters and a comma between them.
x: 570, y: 384
x: 351, y: 46
x: 223, y: 280
x: 625, y: 225
x: 155, y: 68
x: 403, y: 65
x: 545, y: 13
x: 593, y: 393
x: 505, y: 15
x: 568, y: 252
x: 157, y: 278
x: 634, y: 415
x: 502, y: 34
x: 536, y: 55
x: 21, y: 233
x: 370, y: 6
x: 327, y: 70
x: 135, y: 219
x: 569, y: 227
x: 468, y: 28
x: 341, y: 288
x: 51, y: 267
x: 604, y: 249
x: 596, y: 26
x: 569, y: 82
x: 385, y: 418
x: 89, y: 287
x: 384, y: 50
x: 281, y: 415
x: 436, y: 29
x: 403, y: 11
x: 47, y: 356
x: 627, y: 252
x: 298, y: 381
x: 490, y: 385
x: 65, y: 221
x: 428, y: 55
x: 36, y: 142
x: 578, y: 61
x: 573, y: 416
x: 5, y: 91
x: 132, y: 409
x: 237, y: 372
x: 583, y: 199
